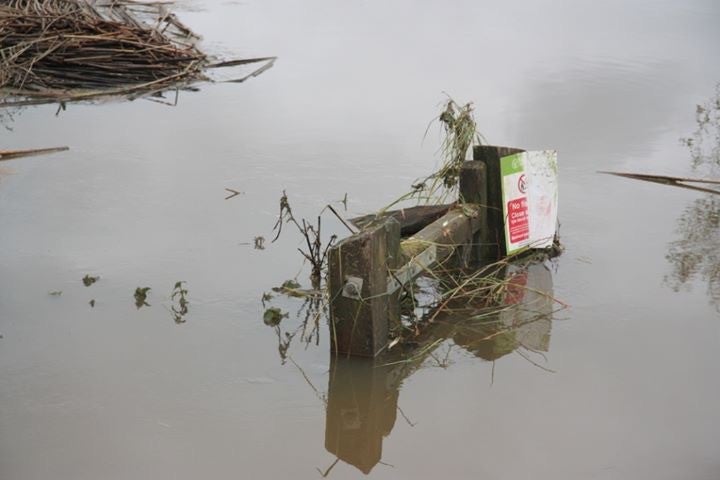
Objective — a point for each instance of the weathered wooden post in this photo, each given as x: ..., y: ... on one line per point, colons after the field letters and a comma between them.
x: 362, y: 309
x: 492, y: 236
x: 473, y: 190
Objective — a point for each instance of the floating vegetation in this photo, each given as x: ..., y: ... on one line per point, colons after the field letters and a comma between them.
x: 141, y: 297
x: 180, y: 309
x: 316, y: 253
x: 273, y: 316
x: 74, y: 50
x: 88, y: 280
x: 310, y: 312
x: 266, y: 297
x: 291, y: 288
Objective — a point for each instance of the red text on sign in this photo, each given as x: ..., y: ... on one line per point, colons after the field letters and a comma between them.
x: 518, y: 223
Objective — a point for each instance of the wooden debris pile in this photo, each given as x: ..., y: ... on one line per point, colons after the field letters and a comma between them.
x: 64, y: 50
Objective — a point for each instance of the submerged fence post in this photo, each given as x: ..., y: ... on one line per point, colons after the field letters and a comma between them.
x: 493, y: 234
x: 473, y: 190
x: 361, y: 309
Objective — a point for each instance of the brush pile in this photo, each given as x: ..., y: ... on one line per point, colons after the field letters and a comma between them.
x: 62, y: 50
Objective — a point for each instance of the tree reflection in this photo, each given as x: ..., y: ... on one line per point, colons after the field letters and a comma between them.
x: 704, y: 145
x: 7, y: 117
x: 695, y: 254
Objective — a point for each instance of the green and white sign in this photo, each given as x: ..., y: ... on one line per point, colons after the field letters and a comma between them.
x: 530, y: 199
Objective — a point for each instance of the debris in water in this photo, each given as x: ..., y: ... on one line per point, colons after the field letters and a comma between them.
x: 291, y: 288
x: 75, y: 50
x: 259, y: 243
x: 233, y: 193
x: 273, y: 316
x: 179, y: 311
x: 344, y: 202
x: 287, y: 285
x: 141, y: 297
x: 11, y: 154
x: 92, y: 303
x: 88, y: 280
x: 682, y: 182
x: 55, y: 293
x: 266, y: 297
x: 316, y: 253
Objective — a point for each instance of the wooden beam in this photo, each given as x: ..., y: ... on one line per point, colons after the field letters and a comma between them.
x: 436, y: 243
x: 412, y: 219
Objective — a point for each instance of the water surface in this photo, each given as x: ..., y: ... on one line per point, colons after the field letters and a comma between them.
x: 630, y: 378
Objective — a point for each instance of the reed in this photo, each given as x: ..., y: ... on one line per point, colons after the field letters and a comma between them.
x: 73, y: 50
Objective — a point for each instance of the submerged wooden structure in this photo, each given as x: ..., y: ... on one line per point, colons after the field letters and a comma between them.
x: 367, y: 270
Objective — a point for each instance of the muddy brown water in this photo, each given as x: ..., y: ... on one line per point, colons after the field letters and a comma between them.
x: 629, y: 383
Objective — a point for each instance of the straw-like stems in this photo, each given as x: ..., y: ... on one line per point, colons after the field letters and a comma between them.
x: 64, y: 49
x: 460, y: 133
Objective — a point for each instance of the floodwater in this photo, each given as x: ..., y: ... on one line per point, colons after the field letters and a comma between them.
x: 624, y: 383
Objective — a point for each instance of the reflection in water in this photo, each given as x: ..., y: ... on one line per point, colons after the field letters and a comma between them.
x: 362, y: 399
x: 7, y: 117
x: 695, y: 254
x: 313, y: 308
x: 525, y: 326
x: 361, y: 411
x: 180, y: 308
x: 704, y: 145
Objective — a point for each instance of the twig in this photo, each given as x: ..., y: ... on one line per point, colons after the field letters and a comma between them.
x: 233, y: 193
x: 341, y: 219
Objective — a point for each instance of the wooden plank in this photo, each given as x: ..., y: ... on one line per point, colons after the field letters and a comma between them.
x: 453, y: 229
x: 436, y: 242
x: 412, y: 219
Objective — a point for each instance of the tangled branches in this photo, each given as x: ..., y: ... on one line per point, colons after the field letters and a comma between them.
x: 65, y: 50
